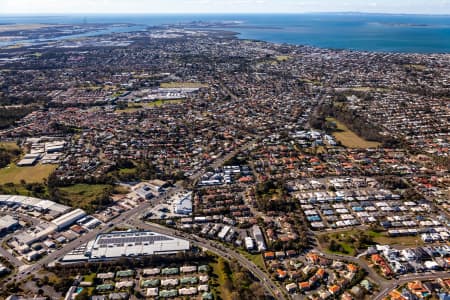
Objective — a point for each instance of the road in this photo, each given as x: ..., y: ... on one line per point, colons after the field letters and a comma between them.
x: 221, y: 160
x: 129, y: 217
x: 218, y: 249
x: 407, y: 278
x: 228, y: 91
x: 372, y: 274
x: 385, y: 285
x: 132, y: 214
x: 26, y: 271
x: 11, y: 258
x: 4, y: 252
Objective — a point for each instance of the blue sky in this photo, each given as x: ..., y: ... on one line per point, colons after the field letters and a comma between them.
x: 222, y: 6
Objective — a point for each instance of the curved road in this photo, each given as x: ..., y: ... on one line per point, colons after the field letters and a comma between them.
x: 385, y: 285
x: 26, y: 271
x: 213, y: 246
x: 407, y: 278
x: 372, y: 274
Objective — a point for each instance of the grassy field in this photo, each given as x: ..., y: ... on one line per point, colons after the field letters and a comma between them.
x: 90, y: 277
x: 416, y: 67
x: 129, y: 109
x: 34, y: 174
x: 121, y: 190
x: 158, y: 103
x: 11, y: 150
x: 383, y: 239
x: 257, y: 259
x: 127, y: 171
x: 362, y: 89
x: 365, y: 89
x: 9, y: 146
x: 183, y: 85
x: 348, y: 138
x: 399, y: 241
x: 348, y: 249
x: 83, y: 195
x: 15, y: 189
x: 344, y: 238
x: 282, y: 57
x: 219, y: 270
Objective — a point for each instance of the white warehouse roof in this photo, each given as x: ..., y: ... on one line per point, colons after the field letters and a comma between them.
x: 130, y: 244
x: 34, y: 202
x: 69, y: 218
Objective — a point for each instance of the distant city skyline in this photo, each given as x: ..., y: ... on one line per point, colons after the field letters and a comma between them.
x: 221, y: 6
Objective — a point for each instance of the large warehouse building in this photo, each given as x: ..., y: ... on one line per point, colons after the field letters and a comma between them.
x: 69, y: 218
x: 182, y: 204
x: 45, y: 206
x: 8, y: 223
x: 136, y: 243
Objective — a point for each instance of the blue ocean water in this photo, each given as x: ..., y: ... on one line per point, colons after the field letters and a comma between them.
x: 354, y: 31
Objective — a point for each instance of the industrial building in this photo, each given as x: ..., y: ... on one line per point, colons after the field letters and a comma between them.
x: 144, y: 192
x: 29, y: 160
x: 39, y: 232
x: 89, y: 222
x: 182, y: 204
x: 8, y: 223
x: 45, y: 149
x: 45, y: 206
x: 158, y: 185
x: 69, y: 218
x: 223, y: 233
x: 137, y: 243
x: 259, y: 238
x: 52, y: 147
x: 148, y: 190
x: 249, y: 245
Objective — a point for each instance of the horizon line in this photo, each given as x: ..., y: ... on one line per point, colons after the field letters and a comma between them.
x: 222, y: 13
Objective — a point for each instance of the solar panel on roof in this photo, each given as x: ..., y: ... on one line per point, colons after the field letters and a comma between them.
x: 119, y: 240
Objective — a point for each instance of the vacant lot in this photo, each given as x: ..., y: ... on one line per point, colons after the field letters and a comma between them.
x: 350, y: 240
x: 407, y: 241
x: 132, y: 107
x: 158, y: 103
x: 34, y: 174
x: 84, y: 196
x: 9, y: 146
x: 348, y: 138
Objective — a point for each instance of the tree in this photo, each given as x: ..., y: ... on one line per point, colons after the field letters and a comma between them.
x: 63, y: 285
x: 235, y: 296
x: 83, y: 295
x: 257, y: 290
x: 336, y: 247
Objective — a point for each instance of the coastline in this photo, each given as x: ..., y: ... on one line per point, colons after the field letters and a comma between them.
x: 379, y: 33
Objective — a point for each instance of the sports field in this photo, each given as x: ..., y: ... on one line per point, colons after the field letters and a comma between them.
x: 350, y: 139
